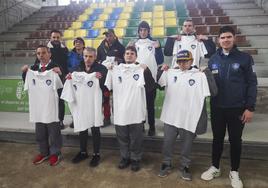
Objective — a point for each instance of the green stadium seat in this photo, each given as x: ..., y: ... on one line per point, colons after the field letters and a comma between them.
x: 171, y: 31
x: 162, y: 41
x: 131, y: 32
x: 135, y: 15
x: 125, y: 41
x: 133, y: 23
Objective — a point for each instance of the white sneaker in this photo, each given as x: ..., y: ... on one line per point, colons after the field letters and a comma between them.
x: 211, y: 173
x: 235, y: 180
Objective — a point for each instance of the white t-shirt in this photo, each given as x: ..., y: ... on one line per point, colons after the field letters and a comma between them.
x: 184, y: 97
x: 146, y: 54
x: 84, y: 98
x: 43, y: 96
x: 191, y: 44
x: 129, y: 102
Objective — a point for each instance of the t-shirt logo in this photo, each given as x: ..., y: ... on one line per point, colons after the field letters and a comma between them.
x: 235, y: 66
x: 214, y: 66
x: 180, y: 46
x: 136, y: 77
x: 75, y: 87
x: 48, y: 82
x: 138, y: 48
x: 175, y: 79
x: 33, y: 81
x: 191, y: 82
x: 193, y: 46
x: 150, y: 48
x: 119, y: 79
x: 90, y: 83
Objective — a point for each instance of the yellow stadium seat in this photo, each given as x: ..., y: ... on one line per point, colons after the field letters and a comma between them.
x: 88, y: 11
x: 101, y: 36
x: 158, y: 22
x: 68, y: 34
x: 83, y: 17
x: 124, y: 16
x: 102, y: 5
x: 158, y: 8
x: 127, y: 9
x: 158, y: 14
x: 98, y: 24
x: 121, y: 4
x: 146, y: 15
x: 81, y: 33
x: 69, y: 44
x: 94, y: 5
x: 103, y: 17
x: 96, y: 43
x: 170, y: 22
x: 112, y: 5
x: 108, y: 10
x: 88, y: 42
x: 76, y: 25
x: 169, y: 14
x: 158, y: 31
x: 122, y: 23
x: 119, y: 32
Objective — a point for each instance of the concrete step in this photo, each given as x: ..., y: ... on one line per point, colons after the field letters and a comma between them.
x: 37, y: 20
x: 13, y: 36
x: 258, y: 41
x: 252, y: 29
x: 250, y: 20
x: 234, y: 1
x: 237, y: 5
x: 247, y: 12
x: 25, y: 27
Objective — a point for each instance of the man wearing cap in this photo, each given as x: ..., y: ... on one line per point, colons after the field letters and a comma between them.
x: 150, y: 54
x: 199, y: 45
x: 186, y: 90
x: 110, y: 48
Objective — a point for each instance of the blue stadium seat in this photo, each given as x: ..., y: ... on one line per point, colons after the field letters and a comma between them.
x: 110, y: 24
x: 98, y: 11
x: 93, y: 33
x: 93, y: 17
x: 87, y: 25
x: 118, y: 10
x: 114, y: 16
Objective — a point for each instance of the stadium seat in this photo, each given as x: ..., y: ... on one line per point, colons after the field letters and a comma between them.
x: 211, y: 20
x: 198, y: 21
x: 76, y: 25
x: 146, y: 15
x: 202, y: 30
x: 127, y: 9
x: 83, y: 17
x: 193, y: 12
x: 81, y: 33
x: 103, y: 17
x: 88, y: 11
x: 158, y: 22
x: 133, y: 23
x: 170, y: 22
x: 108, y: 10
x: 125, y: 41
x: 98, y: 24
x: 122, y: 23
x: 110, y: 24
x: 131, y: 31
x: 96, y: 43
x: 206, y: 12
x: 171, y: 31
x: 114, y: 16
x: 158, y: 14
x: 87, y: 25
x: 124, y: 16
x: 92, y: 33
x: 169, y: 14
x: 158, y: 31
x: 68, y: 34
x: 158, y: 8
x: 98, y: 11
x: 224, y: 20
x: 119, y: 32
x: 69, y: 44
x: 135, y: 15
x: 118, y: 10
x: 88, y: 42
x: 93, y: 17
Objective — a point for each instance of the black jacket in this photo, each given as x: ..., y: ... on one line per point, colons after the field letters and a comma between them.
x: 36, y: 65
x: 235, y: 78
x: 116, y: 49
x: 209, y: 44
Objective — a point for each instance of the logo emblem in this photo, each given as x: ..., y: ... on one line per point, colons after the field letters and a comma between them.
x: 138, y: 48
x: 136, y: 77
x: 150, y: 48
x: 75, y: 87
x: 48, y: 82
x: 33, y: 81
x: 193, y: 46
x: 191, y: 82
x: 180, y: 46
x: 90, y: 83
x: 119, y: 79
x: 175, y: 79
x: 235, y: 66
x: 214, y: 66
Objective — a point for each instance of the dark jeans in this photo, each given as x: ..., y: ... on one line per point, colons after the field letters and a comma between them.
x: 150, y: 98
x: 61, y: 106
x: 222, y: 118
x: 96, y: 139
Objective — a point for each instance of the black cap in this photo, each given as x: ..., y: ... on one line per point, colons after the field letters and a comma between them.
x: 108, y: 32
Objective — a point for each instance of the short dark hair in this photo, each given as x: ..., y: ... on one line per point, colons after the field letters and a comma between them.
x: 188, y: 20
x: 55, y: 31
x: 131, y: 48
x: 227, y: 29
x: 43, y: 46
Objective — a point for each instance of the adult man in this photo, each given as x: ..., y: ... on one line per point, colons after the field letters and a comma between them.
x: 43, y: 105
x: 129, y: 82
x: 110, y: 48
x: 59, y: 55
x: 234, y: 105
x: 150, y: 54
x: 84, y: 97
x: 199, y: 45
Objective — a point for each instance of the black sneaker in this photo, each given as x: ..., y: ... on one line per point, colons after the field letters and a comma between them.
x: 151, y: 132
x: 71, y: 125
x: 186, y: 174
x: 135, y: 165
x: 80, y: 157
x: 62, y: 126
x: 95, y: 160
x: 124, y: 163
x: 164, y: 170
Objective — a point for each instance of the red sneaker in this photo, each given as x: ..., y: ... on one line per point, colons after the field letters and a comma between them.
x: 54, y: 160
x: 39, y: 159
